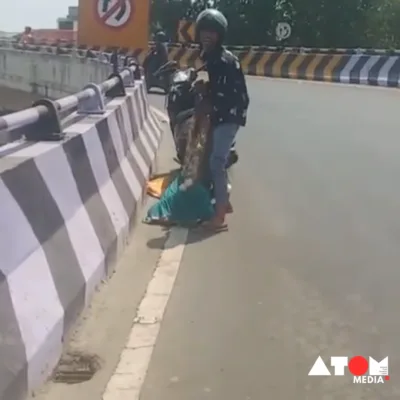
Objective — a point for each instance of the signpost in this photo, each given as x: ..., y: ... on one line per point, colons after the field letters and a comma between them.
x: 114, y: 23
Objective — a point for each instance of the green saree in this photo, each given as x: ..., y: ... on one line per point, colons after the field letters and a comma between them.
x: 187, y: 199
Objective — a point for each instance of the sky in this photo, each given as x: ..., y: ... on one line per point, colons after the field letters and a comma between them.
x: 16, y: 14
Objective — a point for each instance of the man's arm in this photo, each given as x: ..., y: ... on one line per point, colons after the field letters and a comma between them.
x: 241, y: 96
x: 232, y: 94
x: 229, y: 95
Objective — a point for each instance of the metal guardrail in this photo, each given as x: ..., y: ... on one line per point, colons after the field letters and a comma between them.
x: 43, y: 121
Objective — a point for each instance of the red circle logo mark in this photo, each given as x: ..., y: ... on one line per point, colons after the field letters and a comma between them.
x: 358, y: 365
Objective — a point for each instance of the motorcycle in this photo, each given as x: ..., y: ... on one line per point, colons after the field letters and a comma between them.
x: 180, y: 103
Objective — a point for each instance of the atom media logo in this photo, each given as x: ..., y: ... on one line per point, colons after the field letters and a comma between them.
x: 363, y: 370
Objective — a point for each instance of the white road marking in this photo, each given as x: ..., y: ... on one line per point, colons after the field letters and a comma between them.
x: 127, y: 380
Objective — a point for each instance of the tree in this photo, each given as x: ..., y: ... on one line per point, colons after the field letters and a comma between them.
x: 315, y: 23
x: 165, y: 14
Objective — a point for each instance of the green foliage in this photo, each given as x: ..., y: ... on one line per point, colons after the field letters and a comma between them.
x: 315, y: 23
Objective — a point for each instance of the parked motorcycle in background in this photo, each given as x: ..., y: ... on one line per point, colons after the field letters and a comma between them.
x: 156, y: 58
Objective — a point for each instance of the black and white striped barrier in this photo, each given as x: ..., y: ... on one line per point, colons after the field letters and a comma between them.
x: 69, y: 194
x: 93, y: 51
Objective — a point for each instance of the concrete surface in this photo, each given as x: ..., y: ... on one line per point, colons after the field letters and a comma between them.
x: 49, y: 75
x: 15, y: 100
x: 12, y: 100
x: 309, y: 266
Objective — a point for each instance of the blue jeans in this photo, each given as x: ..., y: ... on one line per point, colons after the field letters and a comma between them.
x: 223, y: 138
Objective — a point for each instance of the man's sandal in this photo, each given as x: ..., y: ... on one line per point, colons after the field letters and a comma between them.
x: 213, y: 226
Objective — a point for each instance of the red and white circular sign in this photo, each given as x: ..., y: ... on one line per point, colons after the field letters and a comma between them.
x: 114, y: 13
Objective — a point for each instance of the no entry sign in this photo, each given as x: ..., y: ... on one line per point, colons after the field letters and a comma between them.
x: 114, y: 23
x: 115, y: 13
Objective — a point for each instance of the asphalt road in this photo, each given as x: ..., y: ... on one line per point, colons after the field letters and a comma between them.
x: 311, y: 263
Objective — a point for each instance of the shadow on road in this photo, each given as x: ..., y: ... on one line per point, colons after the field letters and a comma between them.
x: 196, y: 235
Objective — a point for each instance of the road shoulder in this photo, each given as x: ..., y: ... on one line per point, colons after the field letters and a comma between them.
x: 104, y: 326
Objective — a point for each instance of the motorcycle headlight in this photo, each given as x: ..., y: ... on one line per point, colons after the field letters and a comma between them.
x: 180, y: 77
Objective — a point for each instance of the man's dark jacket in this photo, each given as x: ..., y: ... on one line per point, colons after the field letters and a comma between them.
x: 228, y: 87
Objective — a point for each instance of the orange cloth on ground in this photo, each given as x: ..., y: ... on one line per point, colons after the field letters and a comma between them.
x: 156, y: 186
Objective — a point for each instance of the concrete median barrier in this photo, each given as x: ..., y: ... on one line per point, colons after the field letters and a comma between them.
x: 69, y: 202
x: 49, y: 75
x: 367, y: 69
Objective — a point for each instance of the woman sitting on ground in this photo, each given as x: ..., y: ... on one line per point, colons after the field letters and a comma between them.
x: 187, y: 200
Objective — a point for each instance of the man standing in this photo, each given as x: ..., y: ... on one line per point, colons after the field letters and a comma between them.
x: 230, y: 102
x: 156, y: 59
x: 161, y: 51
